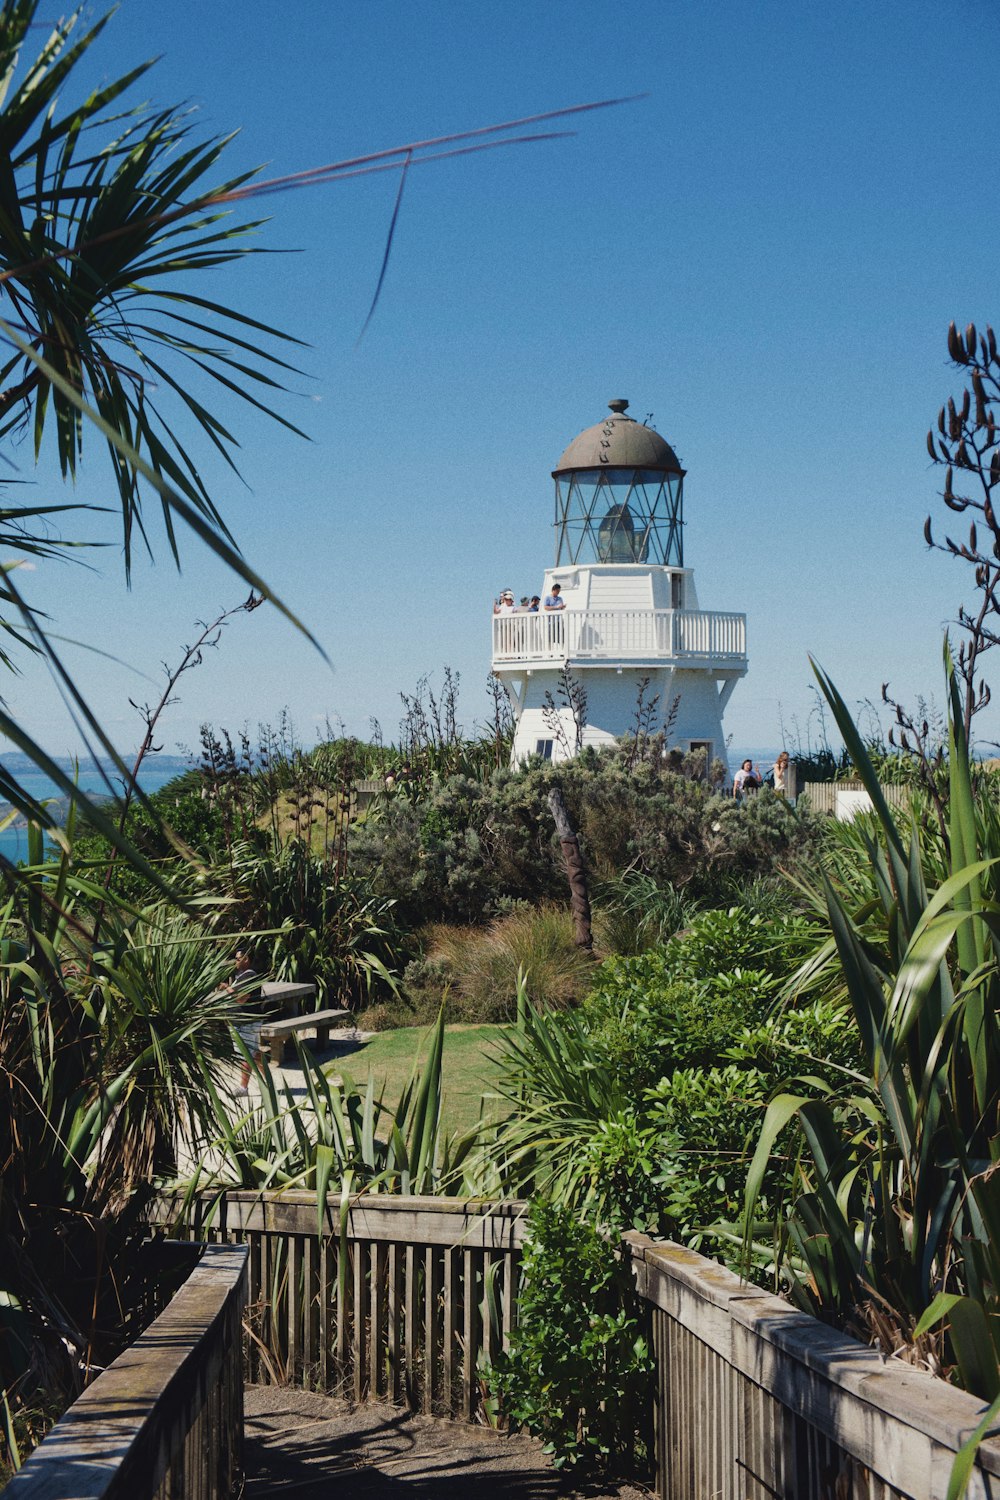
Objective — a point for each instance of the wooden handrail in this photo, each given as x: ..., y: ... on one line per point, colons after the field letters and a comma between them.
x: 404, y: 1304
x: 170, y: 1406
x: 755, y: 1398
x: 469, y: 1223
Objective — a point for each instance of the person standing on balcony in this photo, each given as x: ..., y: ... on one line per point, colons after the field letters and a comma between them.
x: 554, y: 603
x: 533, y: 606
x: 505, y: 604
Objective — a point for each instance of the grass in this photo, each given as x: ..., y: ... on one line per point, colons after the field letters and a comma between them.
x: 470, y: 1068
x: 481, y: 965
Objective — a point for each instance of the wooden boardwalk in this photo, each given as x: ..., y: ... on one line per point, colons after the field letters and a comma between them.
x: 310, y: 1446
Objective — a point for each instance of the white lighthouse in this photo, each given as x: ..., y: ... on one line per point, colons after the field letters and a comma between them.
x: 630, y: 612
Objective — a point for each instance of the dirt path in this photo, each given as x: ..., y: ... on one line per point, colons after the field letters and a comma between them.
x: 313, y: 1446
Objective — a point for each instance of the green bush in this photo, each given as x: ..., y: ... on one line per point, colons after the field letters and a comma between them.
x: 196, y: 819
x: 460, y: 850
x: 633, y: 914
x: 578, y: 1370
x: 705, y: 1123
x: 636, y: 1108
x: 681, y: 1005
x: 677, y: 1025
x: 327, y: 929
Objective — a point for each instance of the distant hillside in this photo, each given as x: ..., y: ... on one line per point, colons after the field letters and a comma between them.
x: 19, y: 764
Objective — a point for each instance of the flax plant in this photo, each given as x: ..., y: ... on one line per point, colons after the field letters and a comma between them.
x: 107, y: 210
x: 335, y: 1137
x: 893, y: 1224
x: 102, y: 1054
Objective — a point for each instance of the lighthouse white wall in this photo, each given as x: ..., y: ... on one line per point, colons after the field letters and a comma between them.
x: 623, y: 586
x: 613, y: 685
x: 612, y: 698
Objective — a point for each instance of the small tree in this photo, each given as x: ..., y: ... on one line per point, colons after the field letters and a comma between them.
x: 967, y: 445
x: 572, y: 695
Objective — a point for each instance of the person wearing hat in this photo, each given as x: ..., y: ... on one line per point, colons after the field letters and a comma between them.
x: 505, y: 604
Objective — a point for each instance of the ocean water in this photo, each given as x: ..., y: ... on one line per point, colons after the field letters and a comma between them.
x: 14, y: 840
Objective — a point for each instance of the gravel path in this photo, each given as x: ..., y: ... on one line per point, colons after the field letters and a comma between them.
x: 315, y: 1446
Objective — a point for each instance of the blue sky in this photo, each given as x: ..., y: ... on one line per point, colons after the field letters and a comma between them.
x: 765, y: 253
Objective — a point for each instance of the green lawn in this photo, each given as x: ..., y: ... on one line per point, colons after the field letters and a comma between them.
x: 469, y: 1071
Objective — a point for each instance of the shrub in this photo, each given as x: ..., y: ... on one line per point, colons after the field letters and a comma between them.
x: 481, y: 968
x: 683, y: 1004
x: 635, y: 1109
x: 579, y: 1365
x: 678, y: 1024
x: 321, y: 927
x: 705, y: 1122
x: 460, y: 850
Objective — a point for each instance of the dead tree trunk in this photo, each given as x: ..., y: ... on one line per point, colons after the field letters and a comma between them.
x: 576, y: 871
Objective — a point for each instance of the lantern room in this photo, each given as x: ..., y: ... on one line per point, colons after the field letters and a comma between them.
x: 619, y: 496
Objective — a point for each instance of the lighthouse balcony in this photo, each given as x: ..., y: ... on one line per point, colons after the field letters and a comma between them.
x: 658, y: 637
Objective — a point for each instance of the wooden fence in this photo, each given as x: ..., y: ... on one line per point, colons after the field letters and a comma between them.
x: 842, y: 799
x: 401, y: 1302
x: 756, y: 1400
x: 166, y: 1418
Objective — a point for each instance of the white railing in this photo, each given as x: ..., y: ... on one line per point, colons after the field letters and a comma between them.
x: 619, y: 635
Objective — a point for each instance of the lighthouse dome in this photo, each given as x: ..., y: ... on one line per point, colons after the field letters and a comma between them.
x: 619, y: 442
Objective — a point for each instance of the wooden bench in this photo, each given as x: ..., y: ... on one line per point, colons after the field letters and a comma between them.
x: 276, y: 1033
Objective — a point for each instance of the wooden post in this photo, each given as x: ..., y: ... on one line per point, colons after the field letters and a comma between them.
x: 791, y: 781
x: 576, y: 870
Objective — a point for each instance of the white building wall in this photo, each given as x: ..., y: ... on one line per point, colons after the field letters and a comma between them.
x: 612, y: 697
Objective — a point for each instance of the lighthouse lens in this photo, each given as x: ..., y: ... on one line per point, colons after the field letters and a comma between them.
x: 616, y: 538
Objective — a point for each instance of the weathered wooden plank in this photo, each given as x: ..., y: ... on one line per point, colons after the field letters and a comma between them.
x: 469, y: 1339
x: 411, y: 1304
x: 341, y: 1285
x: 294, y: 1310
x: 120, y: 1438
x: 394, y: 1378
x: 376, y: 1320
x: 507, y: 1306
x: 814, y: 1407
x: 325, y: 1292
x: 359, y: 1321
x: 310, y: 1310
x: 451, y: 1289
x: 898, y: 1424
x: 432, y: 1339
x: 481, y: 1224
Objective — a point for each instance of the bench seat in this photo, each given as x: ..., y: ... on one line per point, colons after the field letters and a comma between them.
x: 276, y: 1033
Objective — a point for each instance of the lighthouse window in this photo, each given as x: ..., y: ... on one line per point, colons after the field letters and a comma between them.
x: 544, y: 748
x: 705, y: 746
